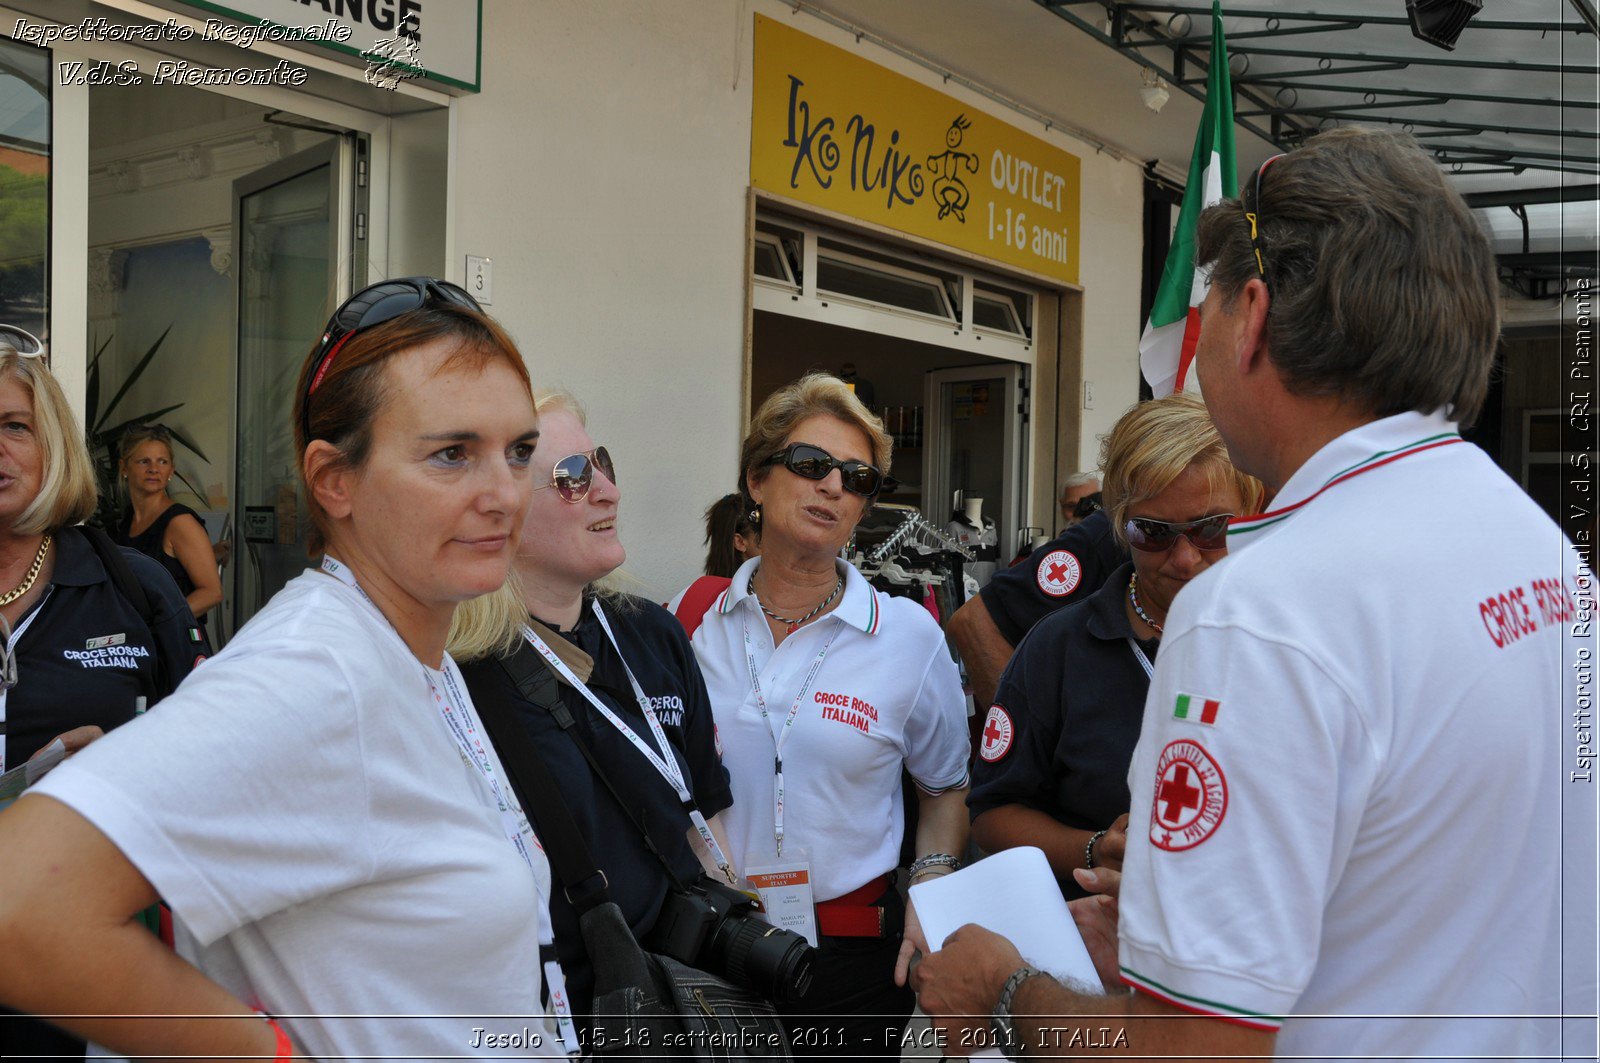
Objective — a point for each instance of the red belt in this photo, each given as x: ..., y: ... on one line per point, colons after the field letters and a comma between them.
x: 852, y: 915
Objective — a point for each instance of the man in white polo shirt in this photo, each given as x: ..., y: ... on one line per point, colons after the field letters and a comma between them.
x: 1361, y: 825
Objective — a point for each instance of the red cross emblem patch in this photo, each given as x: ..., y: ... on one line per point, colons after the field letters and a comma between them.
x: 1059, y: 573
x: 1191, y: 797
x: 997, y: 734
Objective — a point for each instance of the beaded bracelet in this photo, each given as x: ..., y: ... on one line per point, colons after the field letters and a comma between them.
x: 1088, y: 850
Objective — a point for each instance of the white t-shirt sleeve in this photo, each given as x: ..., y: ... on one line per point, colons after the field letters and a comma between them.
x: 937, y: 745
x: 1248, y: 785
x: 240, y: 795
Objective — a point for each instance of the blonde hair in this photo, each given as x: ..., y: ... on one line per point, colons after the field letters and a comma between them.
x: 67, y: 491
x: 491, y: 625
x: 1153, y: 443
x: 815, y: 394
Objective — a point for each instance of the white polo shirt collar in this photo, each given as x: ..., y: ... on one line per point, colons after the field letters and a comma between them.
x: 858, y: 605
x: 1358, y: 452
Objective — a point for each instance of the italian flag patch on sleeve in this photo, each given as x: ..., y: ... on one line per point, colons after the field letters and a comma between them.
x: 1196, y: 707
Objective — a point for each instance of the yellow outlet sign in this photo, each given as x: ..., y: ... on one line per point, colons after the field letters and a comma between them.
x: 834, y: 130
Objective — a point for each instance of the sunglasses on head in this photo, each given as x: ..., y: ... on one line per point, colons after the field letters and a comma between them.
x: 1155, y: 536
x: 814, y: 463
x: 573, y: 474
x: 1254, y: 218
x: 372, y: 306
x: 22, y: 341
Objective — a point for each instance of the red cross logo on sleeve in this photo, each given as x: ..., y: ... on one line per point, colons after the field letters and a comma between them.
x: 997, y: 734
x: 1191, y: 797
x: 1059, y: 573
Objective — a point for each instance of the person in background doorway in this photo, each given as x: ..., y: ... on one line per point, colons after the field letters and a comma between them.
x: 731, y: 538
x: 80, y: 656
x: 1074, y: 489
x: 156, y: 526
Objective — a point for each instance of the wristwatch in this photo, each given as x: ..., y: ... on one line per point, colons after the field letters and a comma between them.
x: 1009, y: 1042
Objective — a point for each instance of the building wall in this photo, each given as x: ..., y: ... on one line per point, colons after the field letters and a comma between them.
x: 604, y: 170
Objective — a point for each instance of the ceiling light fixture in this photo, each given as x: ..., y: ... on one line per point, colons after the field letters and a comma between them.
x: 1154, y: 93
x: 1440, y: 22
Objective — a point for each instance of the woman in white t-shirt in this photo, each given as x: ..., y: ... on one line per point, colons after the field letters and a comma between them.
x: 317, y: 804
x: 824, y: 693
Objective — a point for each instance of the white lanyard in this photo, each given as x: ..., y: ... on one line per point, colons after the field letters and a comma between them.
x: 11, y: 647
x: 664, y: 762
x: 782, y: 735
x: 1144, y: 662
x: 462, y: 728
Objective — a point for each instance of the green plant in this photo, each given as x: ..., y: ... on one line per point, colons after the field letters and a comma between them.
x: 103, y: 434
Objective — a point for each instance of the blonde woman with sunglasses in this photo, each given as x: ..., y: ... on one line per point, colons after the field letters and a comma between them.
x: 825, y: 693
x: 1052, y: 768
x: 625, y: 673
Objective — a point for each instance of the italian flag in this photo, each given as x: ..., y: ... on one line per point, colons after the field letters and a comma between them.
x: 1167, y: 347
x: 1195, y: 707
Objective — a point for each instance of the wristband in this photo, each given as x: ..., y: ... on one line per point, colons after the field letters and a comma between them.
x: 1088, y: 850
x: 283, y: 1051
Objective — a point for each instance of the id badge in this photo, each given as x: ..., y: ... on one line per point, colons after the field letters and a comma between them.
x: 561, y: 1008
x: 784, y: 883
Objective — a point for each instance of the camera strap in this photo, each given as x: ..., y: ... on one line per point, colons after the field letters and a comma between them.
x: 538, y: 685
x: 662, y: 757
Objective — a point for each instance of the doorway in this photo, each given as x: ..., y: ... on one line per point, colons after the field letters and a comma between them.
x: 219, y: 238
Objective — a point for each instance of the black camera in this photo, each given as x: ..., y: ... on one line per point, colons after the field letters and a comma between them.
x: 714, y: 927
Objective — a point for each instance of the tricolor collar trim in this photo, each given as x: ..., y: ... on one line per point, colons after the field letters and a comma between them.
x: 858, y: 606
x: 1245, y: 525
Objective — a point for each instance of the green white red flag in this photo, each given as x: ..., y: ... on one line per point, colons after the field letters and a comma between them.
x: 1166, y: 350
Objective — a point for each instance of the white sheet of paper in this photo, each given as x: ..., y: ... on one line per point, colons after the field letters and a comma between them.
x: 24, y: 775
x: 1015, y: 894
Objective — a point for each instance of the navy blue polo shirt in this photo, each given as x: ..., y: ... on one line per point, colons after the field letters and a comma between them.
x: 84, y: 654
x: 1075, y: 693
x: 1064, y: 570
x: 659, y: 654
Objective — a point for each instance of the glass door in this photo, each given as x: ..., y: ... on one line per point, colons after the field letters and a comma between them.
x: 973, y: 450
x: 290, y: 239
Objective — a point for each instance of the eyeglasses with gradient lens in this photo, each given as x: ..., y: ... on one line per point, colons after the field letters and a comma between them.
x: 25, y: 343
x: 814, y: 463
x: 1158, y: 536
x: 1254, y: 218
x: 370, y: 307
x: 573, y: 475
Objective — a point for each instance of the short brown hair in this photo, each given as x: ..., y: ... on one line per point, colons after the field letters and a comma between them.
x: 353, y: 386
x: 1153, y: 443
x: 67, y: 491
x: 1383, y: 286
x: 812, y: 395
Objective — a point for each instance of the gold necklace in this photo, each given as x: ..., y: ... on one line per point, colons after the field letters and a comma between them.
x: 33, y: 573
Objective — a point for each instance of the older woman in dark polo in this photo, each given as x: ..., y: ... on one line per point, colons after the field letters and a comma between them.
x: 1053, y: 764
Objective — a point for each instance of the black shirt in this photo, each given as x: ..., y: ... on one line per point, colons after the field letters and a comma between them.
x: 1019, y: 596
x: 1075, y: 692
x: 663, y: 662
x: 83, y: 653
x: 148, y: 543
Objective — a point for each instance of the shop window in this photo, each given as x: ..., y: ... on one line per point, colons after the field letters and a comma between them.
x: 24, y: 186
x: 1000, y: 310
x: 858, y: 277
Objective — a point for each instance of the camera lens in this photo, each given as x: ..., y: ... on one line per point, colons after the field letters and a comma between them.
x: 774, y: 962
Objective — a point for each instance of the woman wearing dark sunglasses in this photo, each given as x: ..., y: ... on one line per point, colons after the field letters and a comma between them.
x: 825, y: 691
x: 625, y: 673
x: 1068, y: 709
x: 317, y: 803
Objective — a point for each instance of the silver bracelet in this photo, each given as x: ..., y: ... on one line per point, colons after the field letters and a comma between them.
x: 923, y: 863
x: 1088, y: 850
